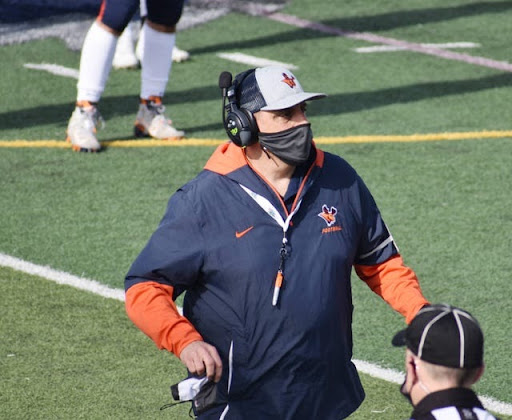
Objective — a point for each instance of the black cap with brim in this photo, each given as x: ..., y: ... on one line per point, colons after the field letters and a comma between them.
x: 444, y: 335
x: 399, y: 338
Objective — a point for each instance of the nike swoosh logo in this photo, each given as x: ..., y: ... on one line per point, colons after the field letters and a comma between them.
x: 243, y: 232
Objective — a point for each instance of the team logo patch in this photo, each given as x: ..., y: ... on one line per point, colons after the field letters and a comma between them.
x: 290, y: 81
x: 328, y: 214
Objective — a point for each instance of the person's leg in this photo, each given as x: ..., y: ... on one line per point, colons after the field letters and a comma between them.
x: 95, y: 65
x: 143, y: 9
x: 124, y: 57
x: 158, y: 34
x: 178, y: 55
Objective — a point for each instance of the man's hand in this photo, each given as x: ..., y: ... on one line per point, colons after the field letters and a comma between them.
x: 200, y: 358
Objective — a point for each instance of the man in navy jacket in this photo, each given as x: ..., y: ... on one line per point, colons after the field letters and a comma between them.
x: 263, y: 242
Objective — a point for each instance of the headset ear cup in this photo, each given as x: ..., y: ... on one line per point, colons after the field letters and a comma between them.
x: 233, y: 126
x: 251, y: 128
x: 241, y: 127
x: 239, y: 123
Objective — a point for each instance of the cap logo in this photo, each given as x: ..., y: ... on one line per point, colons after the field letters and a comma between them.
x: 290, y: 81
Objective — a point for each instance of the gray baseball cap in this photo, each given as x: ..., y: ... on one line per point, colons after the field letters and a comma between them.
x: 271, y: 88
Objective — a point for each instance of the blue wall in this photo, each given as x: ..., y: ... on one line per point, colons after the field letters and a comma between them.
x: 16, y: 11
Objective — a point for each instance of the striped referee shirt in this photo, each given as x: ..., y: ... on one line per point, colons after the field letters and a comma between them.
x: 451, y: 404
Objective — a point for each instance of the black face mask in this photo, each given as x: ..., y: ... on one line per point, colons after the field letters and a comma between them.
x: 406, y: 394
x: 292, y: 146
x: 202, y: 400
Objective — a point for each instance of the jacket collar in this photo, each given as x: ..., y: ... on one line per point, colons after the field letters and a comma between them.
x: 228, y: 158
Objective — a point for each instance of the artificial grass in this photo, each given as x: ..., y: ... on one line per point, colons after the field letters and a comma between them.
x: 71, y: 354
x: 382, y: 93
x: 446, y: 203
x: 67, y: 353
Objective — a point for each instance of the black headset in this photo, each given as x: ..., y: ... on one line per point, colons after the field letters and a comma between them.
x: 239, y: 123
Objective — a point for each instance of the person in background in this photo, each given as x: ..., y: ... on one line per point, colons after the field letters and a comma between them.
x: 97, y: 54
x: 130, y: 45
x: 443, y: 360
x: 263, y: 242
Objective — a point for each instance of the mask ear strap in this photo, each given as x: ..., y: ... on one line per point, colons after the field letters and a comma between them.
x: 190, y: 412
x: 265, y: 151
x: 163, y: 407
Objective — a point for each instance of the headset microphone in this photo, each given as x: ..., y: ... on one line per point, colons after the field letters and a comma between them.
x: 239, y: 123
x: 225, y: 80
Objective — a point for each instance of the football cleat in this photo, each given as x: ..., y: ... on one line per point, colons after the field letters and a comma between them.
x: 151, y: 121
x: 81, y: 131
x: 179, y: 55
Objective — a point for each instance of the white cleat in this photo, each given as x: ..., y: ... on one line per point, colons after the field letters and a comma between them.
x: 178, y: 56
x: 81, y: 131
x: 151, y: 121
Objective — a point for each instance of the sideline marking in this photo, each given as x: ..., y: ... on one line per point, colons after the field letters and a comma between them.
x: 392, y: 138
x: 394, y: 376
x: 252, y: 60
x: 377, y: 39
x: 388, y: 48
x: 237, y: 57
x: 54, y: 69
x: 61, y: 277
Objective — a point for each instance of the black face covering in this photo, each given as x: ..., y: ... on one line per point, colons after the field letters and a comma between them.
x: 406, y: 394
x: 292, y: 146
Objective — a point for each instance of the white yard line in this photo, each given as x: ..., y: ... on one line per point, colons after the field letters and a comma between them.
x: 389, y: 48
x: 251, y: 60
x: 236, y: 57
x: 61, y: 277
x: 394, y: 376
x: 377, y: 39
x: 54, y: 69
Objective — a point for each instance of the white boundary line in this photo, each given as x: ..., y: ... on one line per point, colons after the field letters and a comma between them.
x: 82, y: 283
x: 252, y: 60
x: 390, y: 48
x: 54, y: 69
x: 236, y: 57
x: 377, y: 39
x: 61, y: 277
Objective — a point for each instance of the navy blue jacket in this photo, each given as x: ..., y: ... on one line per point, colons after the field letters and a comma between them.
x: 217, y: 243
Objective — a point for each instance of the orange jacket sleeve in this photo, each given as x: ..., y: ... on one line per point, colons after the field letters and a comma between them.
x: 151, y: 308
x: 396, y: 283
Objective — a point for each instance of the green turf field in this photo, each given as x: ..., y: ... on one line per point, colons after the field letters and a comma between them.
x: 66, y: 353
